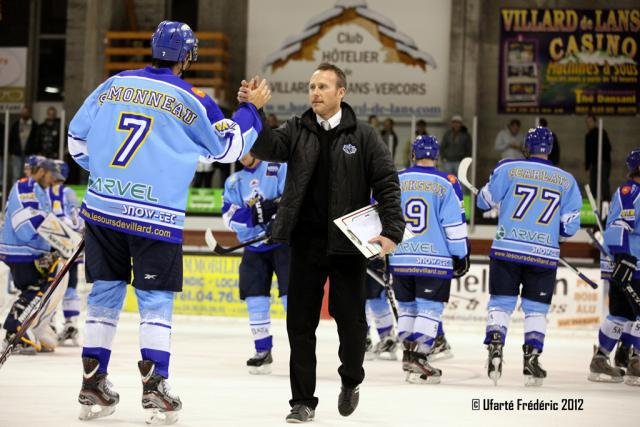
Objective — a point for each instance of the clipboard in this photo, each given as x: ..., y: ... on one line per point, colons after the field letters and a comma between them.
x: 361, y: 225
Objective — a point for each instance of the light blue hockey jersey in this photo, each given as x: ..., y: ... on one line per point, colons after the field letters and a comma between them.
x: 27, y: 206
x: 65, y: 205
x: 242, y: 190
x: 140, y: 135
x: 434, y: 212
x: 538, y: 203
x: 622, y: 232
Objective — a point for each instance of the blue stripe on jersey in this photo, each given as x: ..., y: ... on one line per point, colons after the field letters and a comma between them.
x: 135, y: 227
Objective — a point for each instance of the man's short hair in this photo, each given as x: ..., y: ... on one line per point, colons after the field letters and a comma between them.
x: 422, y: 123
x: 543, y: 122
x: 514, y: 122
x: 341, y: 80
x: 592, y: 117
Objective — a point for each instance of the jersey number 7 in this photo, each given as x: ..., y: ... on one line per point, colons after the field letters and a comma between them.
x: 528, y: 194
x: 138, y: 126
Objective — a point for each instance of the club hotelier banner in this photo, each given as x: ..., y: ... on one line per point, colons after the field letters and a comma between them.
x: 569, y: 61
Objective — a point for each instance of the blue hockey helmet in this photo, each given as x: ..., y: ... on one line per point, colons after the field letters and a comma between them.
x: 539, y: 141
x: 633, y: 160
x: 174, y: 41
x: 62, y: 170
x: 426, y: 147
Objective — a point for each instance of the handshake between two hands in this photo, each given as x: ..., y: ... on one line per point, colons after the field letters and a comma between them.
x: 255, y: 91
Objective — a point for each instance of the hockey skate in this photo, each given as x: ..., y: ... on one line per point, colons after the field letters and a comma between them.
x: 441, y: 349
x: 407, y: 357
x: 421, y: 372
x: 621, y: 358
x: 601, y: 370
x: 260, y: 363
x: 69, y: 332
x: 156, y: 397
x: 386, y: 348
x: 494, y: 362
x: 533, y: 372
x: 27, y: 346
x: 369, y: 354
x: 96, y: 397
x: 632, y: 376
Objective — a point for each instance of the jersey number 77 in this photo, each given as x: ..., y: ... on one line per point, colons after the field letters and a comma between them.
x: 138, y: 126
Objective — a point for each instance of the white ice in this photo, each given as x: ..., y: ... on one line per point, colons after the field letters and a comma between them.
x: 208, y: 372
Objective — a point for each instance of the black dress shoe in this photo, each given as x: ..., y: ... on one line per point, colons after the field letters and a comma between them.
x: 348, y: 400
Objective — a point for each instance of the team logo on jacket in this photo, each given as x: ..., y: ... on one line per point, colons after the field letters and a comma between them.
x: 272, y: 169
x: 452, y: 179
x: 500, y: 233
x: 349, y: 148
x: 625, y: 190
x: 254, y: 183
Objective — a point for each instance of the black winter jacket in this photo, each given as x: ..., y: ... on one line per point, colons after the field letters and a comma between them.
x: 360, y: 165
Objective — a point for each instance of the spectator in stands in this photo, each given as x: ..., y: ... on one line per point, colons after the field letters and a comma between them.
x: 48, y: 135
x: 374, y: 122
x: 203, y: 175
x: 389, y: 136
x: 510, y: 141
x: 554, y: 157
x: 272, y: 121
x: 22, y: 141
x: 456, y: 145
x: 591, y: 157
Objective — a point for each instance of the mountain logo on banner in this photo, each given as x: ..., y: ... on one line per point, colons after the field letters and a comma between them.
x: 397, y: 47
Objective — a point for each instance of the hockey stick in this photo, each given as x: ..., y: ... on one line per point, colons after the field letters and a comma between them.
x: 462, y: 177
x: 388, y: 289
x: 37, y: 310
x: 597, y: 244
x: 594, y: 207
x: 213, y: 244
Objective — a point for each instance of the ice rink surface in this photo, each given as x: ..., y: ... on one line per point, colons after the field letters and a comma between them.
x: 208, y: 372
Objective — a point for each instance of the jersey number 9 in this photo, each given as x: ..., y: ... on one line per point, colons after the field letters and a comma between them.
x: 416, y: 213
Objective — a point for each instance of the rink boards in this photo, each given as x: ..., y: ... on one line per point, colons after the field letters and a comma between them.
x: 211, y: 289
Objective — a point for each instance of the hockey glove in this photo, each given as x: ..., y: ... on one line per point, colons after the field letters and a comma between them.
x: 623, y: 268
x: 262, y: 211
x: 460, y: 266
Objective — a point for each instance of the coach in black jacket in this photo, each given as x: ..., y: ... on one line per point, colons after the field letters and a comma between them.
x: 335, y: 164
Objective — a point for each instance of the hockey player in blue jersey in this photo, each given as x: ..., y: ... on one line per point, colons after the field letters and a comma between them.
x: 65, y: 206
x: 538, y: 204
x: 622, y: 238
x: 140, y: 135
x: 250, y: 201
x: 25, y: 252
x: 423, y: 266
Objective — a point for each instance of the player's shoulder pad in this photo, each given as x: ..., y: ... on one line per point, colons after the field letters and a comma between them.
x: 224, y: 127
x: 25, y: 185
x: 628, y: 192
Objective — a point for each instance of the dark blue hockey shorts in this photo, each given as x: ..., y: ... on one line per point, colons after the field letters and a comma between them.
x: 25, y: 274
x: 505, y: 278
x: 619, y: 304
x: 373, y: 287
x: 110, y: 255
x: 257, y: 268
x: 408, y: 288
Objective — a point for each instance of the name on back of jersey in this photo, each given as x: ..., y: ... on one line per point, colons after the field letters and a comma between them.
x: 149, y: 98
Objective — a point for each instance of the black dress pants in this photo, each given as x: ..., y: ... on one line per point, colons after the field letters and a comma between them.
x: 310, y: 267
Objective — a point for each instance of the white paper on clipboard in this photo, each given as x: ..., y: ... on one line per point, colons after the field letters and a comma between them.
x: 362, y: 225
